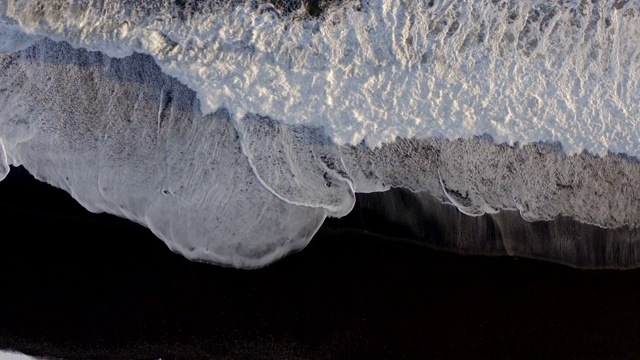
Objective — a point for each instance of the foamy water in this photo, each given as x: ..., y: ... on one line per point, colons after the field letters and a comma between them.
x: 244, y: 169
x: 520, y: 71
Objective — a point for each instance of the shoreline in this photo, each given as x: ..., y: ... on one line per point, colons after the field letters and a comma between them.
x: 245, y: 169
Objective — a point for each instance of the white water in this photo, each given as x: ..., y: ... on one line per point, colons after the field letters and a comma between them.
x: 246, y: 188
x: 520, y: 71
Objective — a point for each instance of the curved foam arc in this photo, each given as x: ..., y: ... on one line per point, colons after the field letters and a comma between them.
x: 463, y: 208
x: 522, y: 71
x: 300, y: 165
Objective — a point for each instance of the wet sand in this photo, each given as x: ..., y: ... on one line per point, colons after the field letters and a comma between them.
x: 80, y: 285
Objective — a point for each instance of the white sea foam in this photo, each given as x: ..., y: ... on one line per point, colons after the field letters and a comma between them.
x: 520, y: 71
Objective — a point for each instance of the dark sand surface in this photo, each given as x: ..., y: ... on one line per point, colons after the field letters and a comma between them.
x: 80, y: 285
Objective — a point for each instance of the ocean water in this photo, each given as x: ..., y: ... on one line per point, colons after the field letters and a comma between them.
x: 233, y: 129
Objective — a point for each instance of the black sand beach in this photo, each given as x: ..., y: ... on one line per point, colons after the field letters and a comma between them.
x: 81, y: 285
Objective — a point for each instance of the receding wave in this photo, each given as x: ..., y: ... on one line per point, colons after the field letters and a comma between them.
x: 232, y: 129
